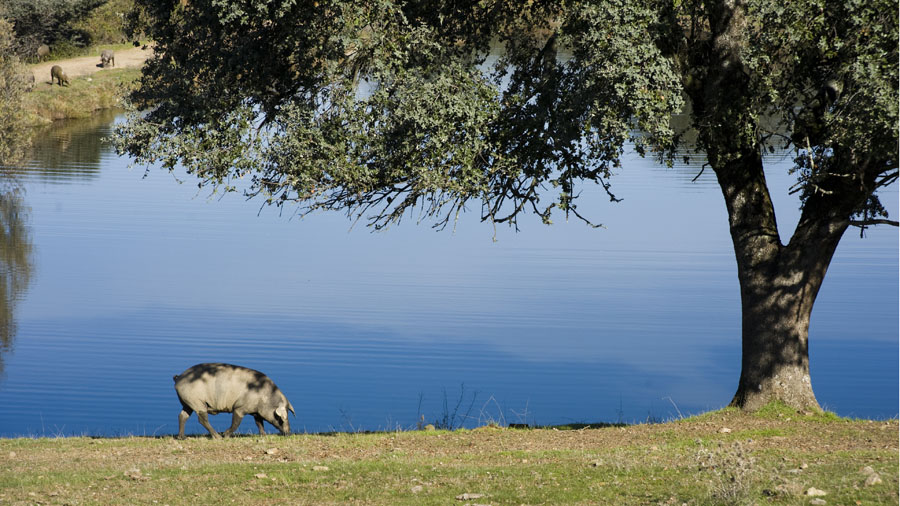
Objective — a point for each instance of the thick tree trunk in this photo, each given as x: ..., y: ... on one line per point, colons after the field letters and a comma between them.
x: 779, y: 285
x: 775, y: 353
x: 775, y: 312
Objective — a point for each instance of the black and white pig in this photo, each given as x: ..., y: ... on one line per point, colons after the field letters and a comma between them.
x: 210, y: 389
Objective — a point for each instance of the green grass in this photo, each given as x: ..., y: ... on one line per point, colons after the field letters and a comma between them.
x: 760, y: 461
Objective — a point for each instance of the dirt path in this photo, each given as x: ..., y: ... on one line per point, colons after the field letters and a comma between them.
x: 85, y: 65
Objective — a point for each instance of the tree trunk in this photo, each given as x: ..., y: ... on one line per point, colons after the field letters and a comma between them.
x: 779, y: 285
x: 775, y: 311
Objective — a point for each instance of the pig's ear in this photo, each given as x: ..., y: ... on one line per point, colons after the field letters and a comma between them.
x: 282, y: 413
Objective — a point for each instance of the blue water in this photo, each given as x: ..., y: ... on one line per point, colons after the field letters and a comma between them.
x: 134, y: 279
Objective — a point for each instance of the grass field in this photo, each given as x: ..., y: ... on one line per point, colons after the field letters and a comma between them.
x: 724, y: 457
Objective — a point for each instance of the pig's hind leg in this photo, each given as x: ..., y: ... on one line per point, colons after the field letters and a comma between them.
x: 182, y: 418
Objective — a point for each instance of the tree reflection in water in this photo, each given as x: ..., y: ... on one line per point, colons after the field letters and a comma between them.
x: 16, y: 267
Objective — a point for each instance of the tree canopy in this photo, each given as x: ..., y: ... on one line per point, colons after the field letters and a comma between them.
x: 377, y: 107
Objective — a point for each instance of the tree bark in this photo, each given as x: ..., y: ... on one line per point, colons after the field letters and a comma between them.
x: 775, y: 303
x: 779, y: 285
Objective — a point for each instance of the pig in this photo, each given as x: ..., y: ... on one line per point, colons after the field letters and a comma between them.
x: 57, y: 74
x: 107, y: 58
x: 225, y: 388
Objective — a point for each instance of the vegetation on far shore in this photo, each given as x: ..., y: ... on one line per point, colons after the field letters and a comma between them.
x: 42, y: 32
x: 723, y: 457
x: 83, y: 96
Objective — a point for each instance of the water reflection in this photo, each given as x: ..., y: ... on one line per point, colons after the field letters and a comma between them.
x: 69, y: 150
x: 16, y: 267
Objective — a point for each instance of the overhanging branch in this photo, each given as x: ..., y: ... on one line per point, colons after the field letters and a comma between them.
x: 873, y: 221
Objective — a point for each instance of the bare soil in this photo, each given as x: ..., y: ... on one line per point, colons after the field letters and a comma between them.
x: 87, y: 65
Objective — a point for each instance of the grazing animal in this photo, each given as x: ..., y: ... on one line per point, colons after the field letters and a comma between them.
x: 107, y: 58
x: 210, y: 389
x: 57, y: 73
x: 29, y: 82
x: 43, y: 51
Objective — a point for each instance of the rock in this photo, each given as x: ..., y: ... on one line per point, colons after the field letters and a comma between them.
x: 12, y: 455
x: 654, y: 448
x: 429, y: 427
x: 818, y: 502
x: 814, y: 492
x: 724, y: 430
x: 873, y: 479
x: 320, y: 468
x: 468, y: 496
x: 867, y: 470
x: 416, y: 489
x: 790, y: 489
x: 135, y: 474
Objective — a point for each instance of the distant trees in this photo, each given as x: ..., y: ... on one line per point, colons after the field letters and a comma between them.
x: 65, y: 25
x: 15, y: 136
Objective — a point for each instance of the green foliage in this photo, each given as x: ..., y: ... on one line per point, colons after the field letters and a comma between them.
x: 828, y: 70
x: 105, y: 24
x: 380, y: 108
x: 15, y: 137
x: 51, y: 22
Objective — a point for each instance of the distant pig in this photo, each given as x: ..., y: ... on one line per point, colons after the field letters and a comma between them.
x: 107, y: 58
x: 225, y: 388
x: 57, y: 74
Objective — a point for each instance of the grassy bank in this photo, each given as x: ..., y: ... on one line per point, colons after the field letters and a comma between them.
x: 719, y: 458
x: 85, y: 95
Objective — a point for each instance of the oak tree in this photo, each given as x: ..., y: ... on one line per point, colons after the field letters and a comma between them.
x: 383, y: 108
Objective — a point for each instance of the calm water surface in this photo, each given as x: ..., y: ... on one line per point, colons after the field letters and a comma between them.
x: 114, y: 282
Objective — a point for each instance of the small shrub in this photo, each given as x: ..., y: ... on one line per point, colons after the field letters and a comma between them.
x: 731, y: 469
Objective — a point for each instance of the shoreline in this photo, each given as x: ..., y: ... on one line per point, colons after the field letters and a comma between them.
x: 91, y: 87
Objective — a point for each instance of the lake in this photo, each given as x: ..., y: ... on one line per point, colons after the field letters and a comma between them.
x: 117, y: 278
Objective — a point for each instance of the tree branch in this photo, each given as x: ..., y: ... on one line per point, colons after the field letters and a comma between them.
x: 873, y: 221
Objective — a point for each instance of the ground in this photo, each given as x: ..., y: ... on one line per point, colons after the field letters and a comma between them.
x: 726, y: 457
x: 86, y: 65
